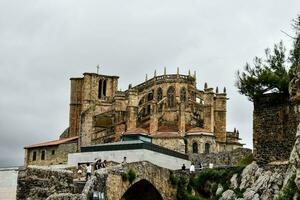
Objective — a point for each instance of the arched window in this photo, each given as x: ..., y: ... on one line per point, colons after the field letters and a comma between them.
x: 195, y: 147
x: 100, y: 89
x: 207, y: 148
x: 150, y: 96
x: 104, y: 87
x: 171, y: 97
x: 183, y: 95
x: 159, y: 94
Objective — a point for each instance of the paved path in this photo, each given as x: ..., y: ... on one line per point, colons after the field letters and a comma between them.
x: 8, y: 184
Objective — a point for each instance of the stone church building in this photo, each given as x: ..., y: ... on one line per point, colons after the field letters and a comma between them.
x: 167, y: 109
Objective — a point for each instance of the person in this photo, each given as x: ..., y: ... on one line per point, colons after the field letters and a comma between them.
x: 88, y: 171
x: 79, y: 172
x: 183, y: 167
x: 192, y: 168
x: 104, y: 164
x: 98, y: 164
x: 124, y: 160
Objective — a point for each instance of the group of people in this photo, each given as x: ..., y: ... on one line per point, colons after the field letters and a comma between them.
x: 192, y: 168
x: 99, y: 164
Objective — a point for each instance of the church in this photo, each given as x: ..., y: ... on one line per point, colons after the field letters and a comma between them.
x: 166, y: 110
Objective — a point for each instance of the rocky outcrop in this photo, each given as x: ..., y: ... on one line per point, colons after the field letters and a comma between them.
x: 40, y: 183
x: 256, y: 183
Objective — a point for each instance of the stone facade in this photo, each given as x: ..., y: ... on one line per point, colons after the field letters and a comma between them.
x: 49, y: 153
x: 275, y: 121
x: 176, y: 144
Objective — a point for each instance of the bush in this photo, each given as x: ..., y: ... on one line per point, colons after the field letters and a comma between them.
x: 246, y: 161
x: 289, y: 191
x: 124, y: 177
x: 131, y: 175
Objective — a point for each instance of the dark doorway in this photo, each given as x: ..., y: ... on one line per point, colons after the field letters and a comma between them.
x: 142, y: 190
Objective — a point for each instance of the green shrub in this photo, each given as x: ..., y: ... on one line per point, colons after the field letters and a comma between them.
x: 131, y: 175
x: 174, y: 179
x: 246, y: 160
x: 289, y: 191
x: 124, y: 176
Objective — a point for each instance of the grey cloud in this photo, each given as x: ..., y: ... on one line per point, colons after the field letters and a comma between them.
x: 44, y: 43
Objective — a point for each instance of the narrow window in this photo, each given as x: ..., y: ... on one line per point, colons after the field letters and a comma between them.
x: 207, y: 148
x: 53, y: 152
x: 171, y: 97
x: 100, y: 89
x: 183, y: 95
x: 195, y: 147
x: 150, y: 96
x: 148, y: 109
x: 159, y: 94
x: 43, y: 155
x: 34, y: 156
x: 104, y: 87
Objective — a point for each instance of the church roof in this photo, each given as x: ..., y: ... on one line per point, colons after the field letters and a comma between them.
x: 53, y: 142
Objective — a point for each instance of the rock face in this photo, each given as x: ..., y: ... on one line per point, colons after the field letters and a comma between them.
x: 256, y: 183
x: 39, y: 183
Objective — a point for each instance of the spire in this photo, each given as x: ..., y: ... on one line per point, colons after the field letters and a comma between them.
x: 189, y: 72
x: 165, y: 71
x: 177, y: 70
x: 195, y: 74
x: 154, y: 73
x: 217, y: 90
x: 205, y: 85
x: 146, y: 79
x: 234, y: 130
x: 224, y: 90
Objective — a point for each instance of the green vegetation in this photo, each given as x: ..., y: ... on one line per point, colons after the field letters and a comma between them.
x: 246, y: 161
x: 129, y: 176
x: 204, y: 184
x: 289, y: 191
x: 272, y: 73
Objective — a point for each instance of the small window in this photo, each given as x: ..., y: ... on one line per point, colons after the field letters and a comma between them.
x: 34, y: 156
x: 195, y: 147
x: 43, y: 155
x: 207, y: 148
x: 104, y: 87
x: 53, y: 152
x: 150, y: 96
x: 100, y: 89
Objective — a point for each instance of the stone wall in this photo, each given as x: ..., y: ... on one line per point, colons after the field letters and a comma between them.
x: 275, y: 121
x: 220, y: 159
x: 175, y: 144
x: 38, y: 183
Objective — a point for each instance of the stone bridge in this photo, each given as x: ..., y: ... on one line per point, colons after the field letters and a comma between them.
x: 151, y: 182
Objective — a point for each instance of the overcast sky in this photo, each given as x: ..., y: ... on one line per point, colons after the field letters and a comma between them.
x: 44, y: 43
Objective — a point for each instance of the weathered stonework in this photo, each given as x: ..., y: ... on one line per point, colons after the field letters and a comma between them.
x: 275, y: 120
x: 176, y: 144
x: 38, y: 183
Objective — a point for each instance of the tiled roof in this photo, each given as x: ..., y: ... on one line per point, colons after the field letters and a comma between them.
x: 168, y: 128
x: 52, y: 143
x: 166, y: 135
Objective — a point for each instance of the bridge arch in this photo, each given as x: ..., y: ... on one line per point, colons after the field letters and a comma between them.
x: 150, y: 179
x: 142, y: 189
